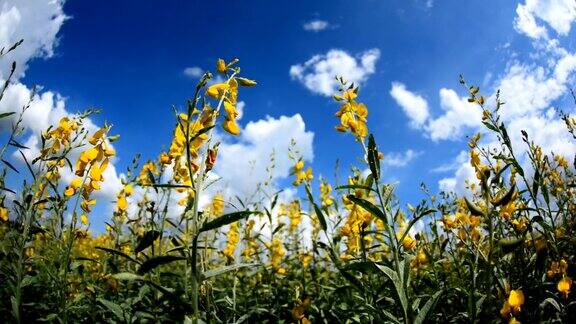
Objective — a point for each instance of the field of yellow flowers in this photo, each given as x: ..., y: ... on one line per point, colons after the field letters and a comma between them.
x: 505, y: 254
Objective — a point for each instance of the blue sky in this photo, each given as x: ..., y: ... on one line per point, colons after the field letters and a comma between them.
x: 128, y: 58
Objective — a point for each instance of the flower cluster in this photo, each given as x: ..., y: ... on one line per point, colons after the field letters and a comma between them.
x: 353, y: 115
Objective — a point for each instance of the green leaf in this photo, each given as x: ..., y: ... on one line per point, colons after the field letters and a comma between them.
x: 504, y: 199
x: 474, y: 210
x: 127, y: 276
x: 246, y: 82
x: 155, y: 262
x: 362, y: 266
x: 120, y: 253
x: 6, y: 114
x: 317, y: 209
x: 535, y: 183
x: 113, y: 307
x: 430, y: 304
x: 518, y: 167
x: 510, y: 244
x: 222, y: 270
x: 552, y: 302
x: 146, y: 240
x: 370, y: 207
x: 397, y: 284
x: 15, y: 308
x: 226, y: 219
x: 354, y: 187
x: 373, y: 160
x: 10, y: 166
x: 168, y: 185
x: 200, y: 132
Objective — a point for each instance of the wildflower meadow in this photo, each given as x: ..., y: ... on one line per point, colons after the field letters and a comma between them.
x: 339, y: 249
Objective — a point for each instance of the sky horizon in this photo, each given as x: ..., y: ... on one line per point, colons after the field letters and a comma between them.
x: 135, y: 60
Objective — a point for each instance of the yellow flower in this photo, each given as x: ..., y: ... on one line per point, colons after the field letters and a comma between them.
x: 233, y: 239
x: 475, y: 158
x: 128, y: 190
x: 564, y: 286
x: 73, y: 187
x: 97, y: 136
x: 305, y: 258
x: 122, y: 204
x: 84, y: 219
x: 69, y: 192
x: 165, y: 159
x: 231, y: 126
x: 216, y: 91
x: 409, y: 243
x: 516, y: 299
x: 87, y: 204
x: 350, y: 95
x: 221, y: 66
x: 4, y: 213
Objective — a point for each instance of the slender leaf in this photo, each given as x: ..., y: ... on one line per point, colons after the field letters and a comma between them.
x: 222, y: 270
x: 370, y: 207
x: 146, y: 240
x: 317, y: 209
x: 120, y: 253
x: 226, y: 219
x: 155, y: 262
x: 113, y: 307
x: 425, y: 311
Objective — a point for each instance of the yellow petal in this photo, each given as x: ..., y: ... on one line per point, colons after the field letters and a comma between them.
x: 231, y: 127
x: 221, y: 66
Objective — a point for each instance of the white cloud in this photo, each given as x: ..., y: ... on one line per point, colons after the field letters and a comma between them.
x: 415, y: 107
x: 529, y: 89
x: 316, y: 25
x: 38, y: 23
x: 193, y: 72
x: 35, y: 21
x: 528, y: 92
x: 240, y: 108
x: 400, y: 159
x: 526, y: 23
x: 318, y: 73
x: 458, y: 115
x: 242, y: 164
x: 463, y: 172
x: 558, y: 14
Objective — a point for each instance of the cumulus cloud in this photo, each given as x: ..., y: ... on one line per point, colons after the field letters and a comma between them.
x: 194, y: 72
x: 415, y: 107
x: 35, y: 21
x: 464, y: 172
x: 400, y: 159
x: 243, y: 164
x: 316, y: 25
x: 317, y: 74
x: 558, y: 14
x: 457, y: 113
x: 38, y: 23
x: 529, y: 91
